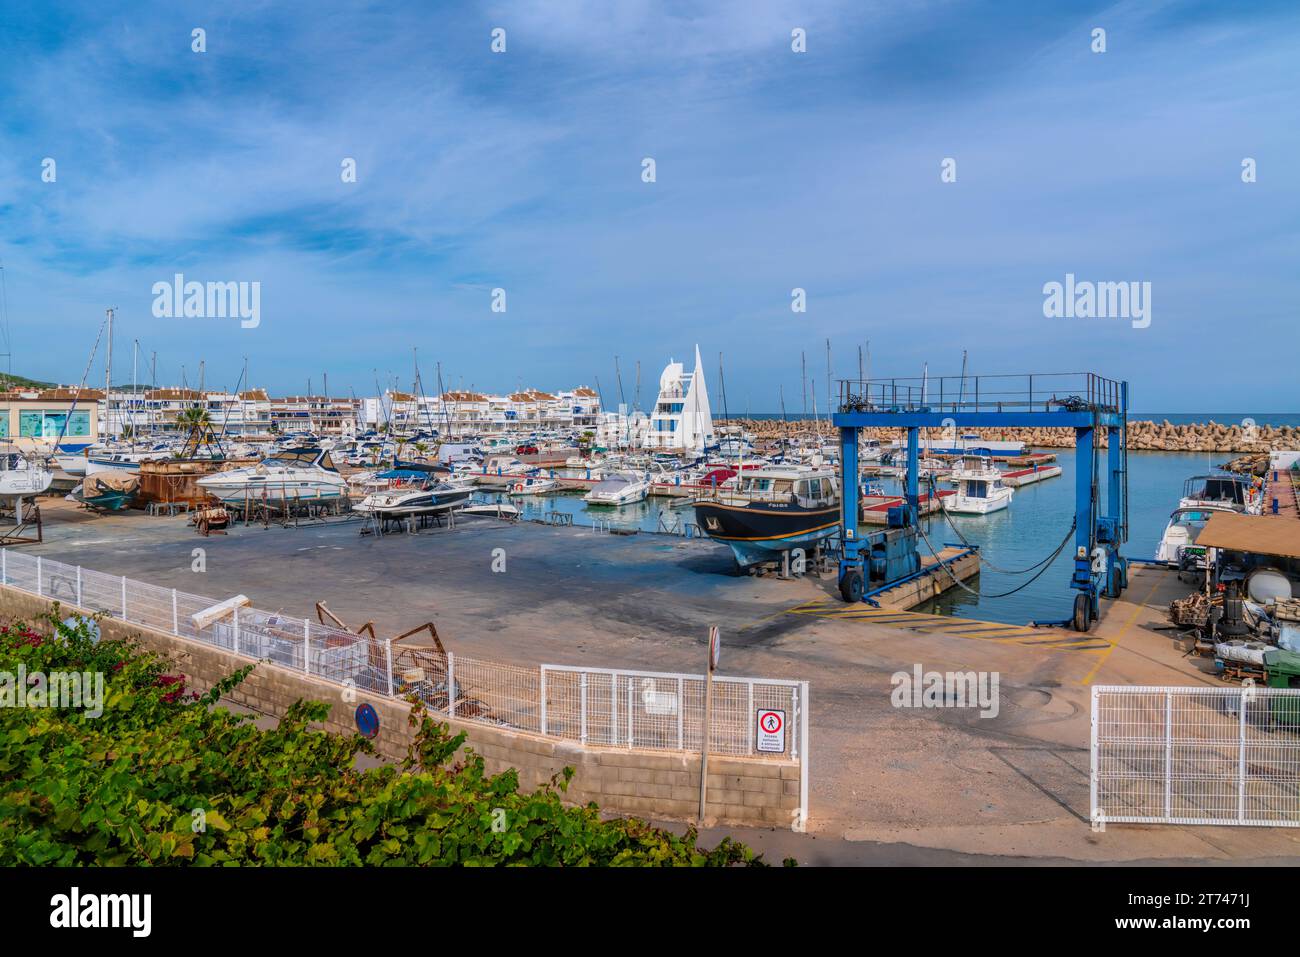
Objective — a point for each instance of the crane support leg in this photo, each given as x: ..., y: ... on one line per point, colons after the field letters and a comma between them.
x: 852, y: 578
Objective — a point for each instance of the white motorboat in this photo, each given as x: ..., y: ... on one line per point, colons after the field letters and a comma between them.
x: 422, y: 498
x: 291, y: 475
x: 620, y: 488
x: 22, y: 477
x: 534, y: 485
x: 1222, y: 490
x: 1178, y: 543
x: 979, y: 488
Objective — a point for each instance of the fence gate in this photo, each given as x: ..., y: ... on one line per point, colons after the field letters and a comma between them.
x: 1196, y: 756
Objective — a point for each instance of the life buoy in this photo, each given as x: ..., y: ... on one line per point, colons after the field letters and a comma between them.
x: 519, y: 486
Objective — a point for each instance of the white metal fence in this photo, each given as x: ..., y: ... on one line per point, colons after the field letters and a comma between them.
x: 591, y: 706
x: 1196, y: 756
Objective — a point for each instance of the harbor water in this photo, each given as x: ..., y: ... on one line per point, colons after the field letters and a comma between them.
x: 1020, y: 536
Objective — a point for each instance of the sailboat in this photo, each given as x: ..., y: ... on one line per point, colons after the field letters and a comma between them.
x: 22, y: 477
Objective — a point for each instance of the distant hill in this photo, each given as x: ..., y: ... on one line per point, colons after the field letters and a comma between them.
x: 22, y: 382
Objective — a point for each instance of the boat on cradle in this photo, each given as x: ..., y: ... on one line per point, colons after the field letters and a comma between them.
x: 22, y: 477
x: 534, y: 485
x: 979, y: 488
x: 107, y: 491
x: 424, y: 497
x: 1238, y: 493
x: 620, y: 488
x: 289, y: 475
x: 1178, y: 546
x: 771, y: 510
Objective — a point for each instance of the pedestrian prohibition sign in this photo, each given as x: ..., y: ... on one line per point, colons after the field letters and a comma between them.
x: 771, y: 730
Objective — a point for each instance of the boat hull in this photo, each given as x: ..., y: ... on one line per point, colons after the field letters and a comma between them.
x: 756, y: 532
x: 964, y: 505
x: 238, y: 493
x: 392, y: 506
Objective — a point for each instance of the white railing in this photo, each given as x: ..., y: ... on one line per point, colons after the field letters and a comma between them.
x: 1196, y: 756
x: 590, y: 706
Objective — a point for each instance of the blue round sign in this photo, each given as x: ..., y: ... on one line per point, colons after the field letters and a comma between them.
x: 367, y: 720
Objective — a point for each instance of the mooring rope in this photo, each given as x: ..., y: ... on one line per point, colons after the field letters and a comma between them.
x: 963, y: 585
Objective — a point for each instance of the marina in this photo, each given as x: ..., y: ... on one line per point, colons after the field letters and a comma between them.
x: 677, y: 435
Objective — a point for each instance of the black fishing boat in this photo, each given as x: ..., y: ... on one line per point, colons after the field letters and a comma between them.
x: 771, y: 510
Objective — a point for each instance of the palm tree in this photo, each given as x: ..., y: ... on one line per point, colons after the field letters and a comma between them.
x: 193, y: 416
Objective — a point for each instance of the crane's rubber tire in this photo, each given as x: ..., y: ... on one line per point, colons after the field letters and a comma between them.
x: 1082, y: 619
x: 1114, y: 582
x: 851, y: 586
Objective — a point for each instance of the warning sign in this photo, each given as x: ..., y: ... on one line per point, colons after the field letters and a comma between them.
x: 771, y: 731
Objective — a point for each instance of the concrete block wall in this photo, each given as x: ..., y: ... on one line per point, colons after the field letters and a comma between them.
x: 744, y: 791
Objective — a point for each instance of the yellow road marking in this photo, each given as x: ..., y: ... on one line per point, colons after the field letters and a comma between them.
x: 1114, y: 642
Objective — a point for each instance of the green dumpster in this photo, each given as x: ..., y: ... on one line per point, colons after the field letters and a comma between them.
x: 1283, y: 670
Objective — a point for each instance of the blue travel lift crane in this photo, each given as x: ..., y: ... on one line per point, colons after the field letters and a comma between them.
x: 1085, y: 402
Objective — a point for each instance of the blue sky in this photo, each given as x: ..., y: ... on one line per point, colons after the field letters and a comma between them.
x: 775, y: 170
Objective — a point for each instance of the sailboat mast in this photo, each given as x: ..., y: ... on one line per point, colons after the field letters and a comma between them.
x: 828, y: 381
x: 135, y: 355
x: 108, y: 378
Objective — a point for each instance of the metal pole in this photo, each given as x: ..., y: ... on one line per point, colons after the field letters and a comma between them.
x: 306, y: 645
x: 804, y: 712
x: 749, y: 721
x: 704, y: 739
x: 451, y: 685
x: 388, y: 655
x: 236, y: 644
x: 124, y: 598
x: 38, y: 576
x: 78, y: 586
x: 1241, y: 759
x: 4, y: 564
x: 681, y: 707
x: 542, y: 699
x: 582, y: 708
x: 1092, y: 776
x: 1169, y: 753
x: 176, y: 622
x: 630, y: 732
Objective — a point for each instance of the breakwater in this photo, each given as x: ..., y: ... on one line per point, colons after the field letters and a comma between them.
x: 1143, y: 435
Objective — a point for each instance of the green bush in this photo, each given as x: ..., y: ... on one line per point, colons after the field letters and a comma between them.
x: 165, y: 777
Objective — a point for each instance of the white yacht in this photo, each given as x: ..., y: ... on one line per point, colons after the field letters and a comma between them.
x: 1178, y: 543
x: 1222, y: 490
x: 979, y: 487
x: 620, y: 488
x: 292, y: 474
